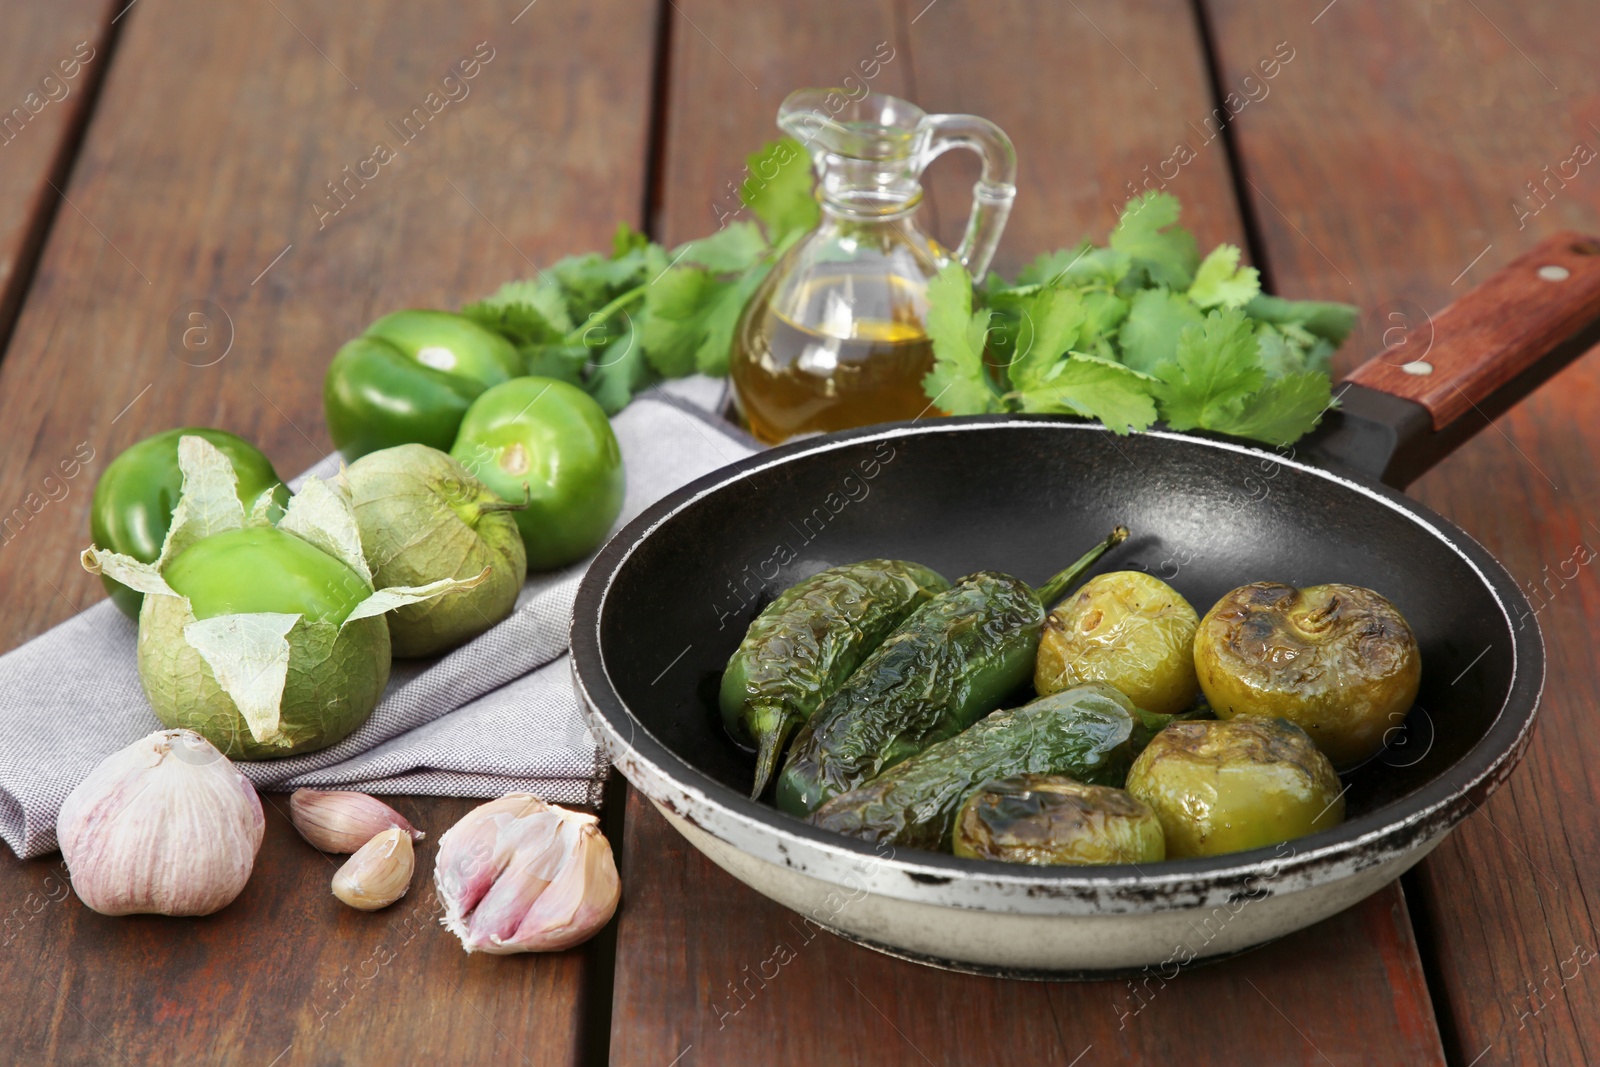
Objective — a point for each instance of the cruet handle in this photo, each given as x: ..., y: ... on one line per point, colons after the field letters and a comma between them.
x: 995, y: 189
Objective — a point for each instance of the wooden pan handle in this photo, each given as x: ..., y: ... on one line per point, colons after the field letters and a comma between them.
x: 1471, y: 349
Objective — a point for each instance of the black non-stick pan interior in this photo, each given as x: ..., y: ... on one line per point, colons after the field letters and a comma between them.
x: 1028, y: 498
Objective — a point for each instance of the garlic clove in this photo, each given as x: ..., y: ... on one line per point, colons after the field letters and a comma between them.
x: 339, y: 821
x: 520, y: 875
x: 472, y: 854
x: 514, y: 892
x: 581, y: 899
x: 379, y: 873
x: 166, y: 826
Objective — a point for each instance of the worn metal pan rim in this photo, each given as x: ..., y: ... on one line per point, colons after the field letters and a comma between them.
x: 1391, y: 831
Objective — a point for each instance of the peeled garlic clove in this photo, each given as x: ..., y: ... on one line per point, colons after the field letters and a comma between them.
x: 166, y: 826
x: 520, y: 875
x: 337, y: 821
x: 379, y: 873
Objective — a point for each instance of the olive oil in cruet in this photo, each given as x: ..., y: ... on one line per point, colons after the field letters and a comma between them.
x: 835, y: 335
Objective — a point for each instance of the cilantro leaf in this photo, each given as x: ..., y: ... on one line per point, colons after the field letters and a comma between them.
x: 1221, y: 282
x: 1051, y: 322
x: 958, y: 382
x: 1103, y: 313
x: 627, y: 239
x: 779, y: 188
x: 1330, y: 321
x: 722, y: 318
x: 524, y: 312
x: 619, y: 370
x: 1096, y: 388
x: 735, y: 247
x: 1168, y: 256
x: 1214, y: 371
x: 1277, y: 354
x: 690, y: 316
x: 1083, y: 265
x: 591, y: 281
x: 560, y: 361
x: 674, y: 325
x: 1156, y: 319
x: 1283, y: 411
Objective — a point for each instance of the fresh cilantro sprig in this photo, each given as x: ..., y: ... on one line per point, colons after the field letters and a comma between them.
x: 1139, y: 330
x: 1131, y: 332
x: 616, y: 324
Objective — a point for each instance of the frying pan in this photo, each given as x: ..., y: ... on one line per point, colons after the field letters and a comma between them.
x: 668, y: 599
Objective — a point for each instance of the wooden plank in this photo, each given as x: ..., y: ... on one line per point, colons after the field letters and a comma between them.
x: 203, y: 178
x: 711, y: 970
x: 212, y: 182
x: 52, y: 57
x: 1083, y: 132
x: 1069, y: 83
x: 285, y: 971
x: 1392, y: 165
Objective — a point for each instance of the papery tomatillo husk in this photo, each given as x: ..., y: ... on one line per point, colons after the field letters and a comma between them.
x: 424, y: 517
x: 519, y: 875
x: 165, y: 826
x: 292, y: 664
x: 335, y: 677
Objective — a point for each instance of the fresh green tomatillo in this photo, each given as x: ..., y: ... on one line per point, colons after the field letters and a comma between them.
x: 423, y: 517
x: 133, y: 500
x: 410, y: 378
x: 261, y: 568
x: 548, y: 443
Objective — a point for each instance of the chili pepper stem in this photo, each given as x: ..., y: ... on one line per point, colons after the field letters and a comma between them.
x: 1057, y: 587
x: 769, y: 746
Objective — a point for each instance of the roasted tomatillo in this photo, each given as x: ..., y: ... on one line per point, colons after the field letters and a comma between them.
x: 133, y: 500
x: 410, y: 378
x: 1050, y: 819
x: 1339, y: 661
x: 1221, y: 787
x: 547, y: 442
x: 1128, y: 629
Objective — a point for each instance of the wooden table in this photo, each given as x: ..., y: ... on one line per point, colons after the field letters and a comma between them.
x: 193, y: 155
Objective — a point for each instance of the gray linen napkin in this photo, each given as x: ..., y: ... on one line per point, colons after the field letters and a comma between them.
x: 496, y: 715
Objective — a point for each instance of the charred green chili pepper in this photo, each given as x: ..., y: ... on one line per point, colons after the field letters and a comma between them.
x: 805, y: 644
x: 1091, y: 733
x: 951, y: 662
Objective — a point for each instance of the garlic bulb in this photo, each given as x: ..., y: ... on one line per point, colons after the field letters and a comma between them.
x: 341, y: 821
x: 379, y: 873
x: 166, y: 826
x: 519, y: 875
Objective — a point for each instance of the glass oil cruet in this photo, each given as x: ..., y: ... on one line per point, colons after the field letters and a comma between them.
x: 834, y: 337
